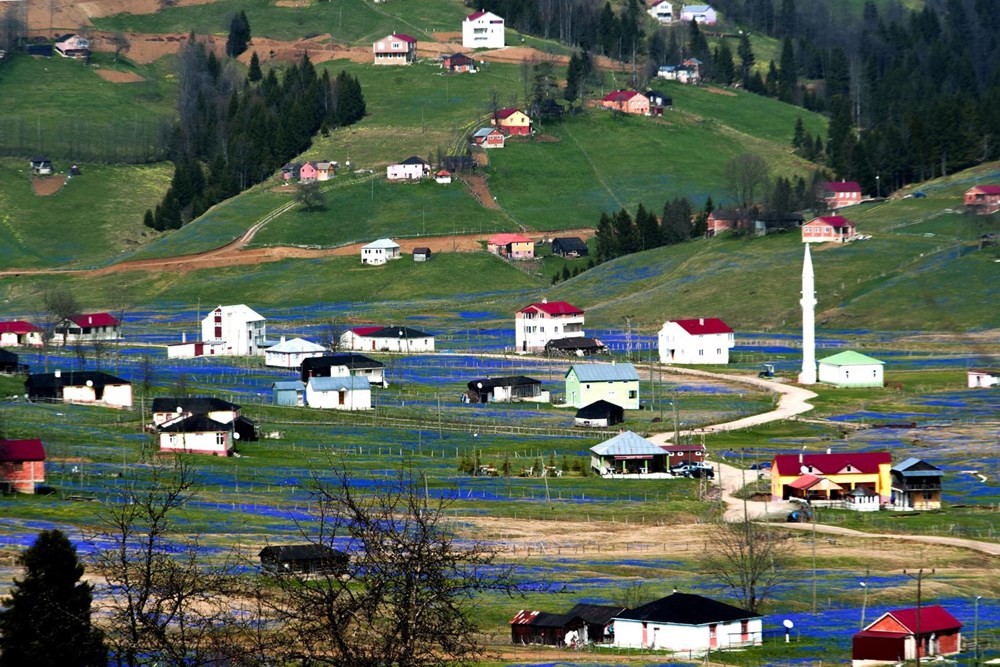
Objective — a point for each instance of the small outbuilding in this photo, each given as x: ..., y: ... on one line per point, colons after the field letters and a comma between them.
x: 851, y: 369
x: 599, y: 414
x: 897, y: 636
x: 88, y: 387
x: 305, y: 558
x: 983, y: 378
x: 628, y: 454
x: 506, y: 390
x: 422, y: 254
x: 22, y: 465
x: 289, y: 393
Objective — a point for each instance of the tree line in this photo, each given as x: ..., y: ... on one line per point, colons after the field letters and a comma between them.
x: 234, y: 133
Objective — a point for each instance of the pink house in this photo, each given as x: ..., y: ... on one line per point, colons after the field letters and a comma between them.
x: 511, y: 246
x: 22, y: 465
x: 395, y: 50
x: 488, y: 137
x: 308, y: 172
x: 73, y: 46
x: 828, y: 228
x: 513, y: 121
x: 837, y: 195
x: 627, y: 101
x: 724, y: 220
x: 983, y: 199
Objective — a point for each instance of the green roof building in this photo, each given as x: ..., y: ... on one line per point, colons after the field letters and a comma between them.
x: 851, y: 369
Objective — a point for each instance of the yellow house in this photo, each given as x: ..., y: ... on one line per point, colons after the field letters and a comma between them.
x: 513, y: 121
x: 832, y: 477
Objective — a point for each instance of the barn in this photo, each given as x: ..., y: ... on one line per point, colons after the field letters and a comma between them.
x: 895, y: 635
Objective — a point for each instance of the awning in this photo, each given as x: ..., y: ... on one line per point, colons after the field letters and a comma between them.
x: 622, y: 457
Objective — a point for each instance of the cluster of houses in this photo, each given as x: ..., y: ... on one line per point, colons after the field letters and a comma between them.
x: 84, y: 328
x: 695, y: 625
x: 309, y: 172
x: 480, y: 30
x: 663, y: 12
x: 688, y: 71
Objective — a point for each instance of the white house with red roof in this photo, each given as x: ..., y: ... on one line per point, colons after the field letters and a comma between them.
x: 897, y: 636
x: 87, y: 328
x: 831, y: 478
x: 537, y: 324
x: 483, y: 30
x: 662, y: 11
x: 512, y: 121
x: 838, y: 194
x: 18, y: 333
x: 983, y: 199
x: 511, y: 246
x: 377, y: 338
x: 395, y: 49
x: 827, y: 229
x: 706, y: 340
x: 627, y: 101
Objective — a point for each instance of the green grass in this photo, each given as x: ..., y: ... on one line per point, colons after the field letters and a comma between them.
x: 350, y: 21
x: 62, y: 108
x: 94, y: 216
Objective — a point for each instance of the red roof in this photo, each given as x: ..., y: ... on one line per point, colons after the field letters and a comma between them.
x: 443, y: 172
x: 703, y: 326
x: 986, y: 189
x: 405, y: 38
x: 21, y: 450
x: 804, y: 482
x: 95, y: 320
x: 933, y: 618
x: 17, y: 327
x: 504, y: 239
x: 554, y: 308
x: 366, y: 330
x: 474, y: 15
x: 831, y: 464
x: 832, y: 220
x: 620, y: 96
x: 842, y: 186
x: 507, y: 112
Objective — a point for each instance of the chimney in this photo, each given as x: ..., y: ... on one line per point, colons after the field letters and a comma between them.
x: 800, y: 458
x: 701, y: 321
x: 282, y: 339
x: 184, y: 337
x: 828, y: 450
x: 58, y: 373
x: 90, y: 319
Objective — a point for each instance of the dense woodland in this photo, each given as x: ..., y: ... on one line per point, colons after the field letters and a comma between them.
x: 911, y: 94
x: 233, y: 133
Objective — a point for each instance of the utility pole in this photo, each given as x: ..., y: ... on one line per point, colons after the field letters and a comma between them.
x: 919, y: 576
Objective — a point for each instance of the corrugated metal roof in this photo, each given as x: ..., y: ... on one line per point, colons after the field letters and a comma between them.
x: 296, y: 345
x: 625, y: 444
x: 850, y: 358
x: 604, y: 372
x: 383, y: 244
x: 289, y: 385
x: 339, y: 383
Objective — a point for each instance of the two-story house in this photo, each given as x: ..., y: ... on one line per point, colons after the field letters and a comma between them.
x: 537, y: 324
x: 827, y: 229
x: 838, y: 194
x: 483, y: 30
x: 395, y: 49
x: 626, y: 101
x: 236, y: 331
x: 616, y: 383
x: 706, y: 340
x: 511, y: 246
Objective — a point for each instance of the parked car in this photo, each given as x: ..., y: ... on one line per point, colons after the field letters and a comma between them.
x: 763, y: 465
x: 693, y: 469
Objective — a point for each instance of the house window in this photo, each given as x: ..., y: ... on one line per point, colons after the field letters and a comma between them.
x: 220, y: 439
x: 633, y: 393
x: 588, y: 386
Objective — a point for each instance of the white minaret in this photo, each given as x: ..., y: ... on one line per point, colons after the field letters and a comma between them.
x: 808, y: 301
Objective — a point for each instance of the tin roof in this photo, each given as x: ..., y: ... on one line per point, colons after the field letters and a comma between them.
x: 850, y: 358
x: 604, y: 372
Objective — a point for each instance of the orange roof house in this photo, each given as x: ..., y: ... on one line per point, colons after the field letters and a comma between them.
x: 983, y: 199
x: 511, y: 246
x: 828, y: 228
x: 626, y: 101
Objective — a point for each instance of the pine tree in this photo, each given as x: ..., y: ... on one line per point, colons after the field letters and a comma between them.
x: 648, y: 228
x: 147, y: 219
x: 254, y: 73
x: 574, y: 74
x: 46, y: 620
x: 799, y: 137
x: 725, y: 70
x: 605, y: 239
x: 239, y: 35
x: 747, y: 59
x: 788, y: 73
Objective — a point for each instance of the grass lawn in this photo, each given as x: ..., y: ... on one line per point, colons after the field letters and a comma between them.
x: 350, y: 21
x: 62, y: 108
x: 93, y: 217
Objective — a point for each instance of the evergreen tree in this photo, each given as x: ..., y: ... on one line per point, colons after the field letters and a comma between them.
x: 788, y: 73
x: 604, y: 240
x: 239, y: 35
x: 725, y: 70
x: 648, y: 228
x: 147, y: 219
x: 799, y: 137
x: 697, y: 44
x: 46, y: 620
x: 747, y: 59
x: 626, y: 235
x: 676, y: 221
x: 254, y: 73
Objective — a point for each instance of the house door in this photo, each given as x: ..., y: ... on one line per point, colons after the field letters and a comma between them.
x: 341, y: 397
x: 373, y: 346
x: 744, y: 631
x: 645, y: 634
x: 713, y: 639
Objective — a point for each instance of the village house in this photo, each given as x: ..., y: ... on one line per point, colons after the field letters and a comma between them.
x: 87, y: 328
x: 305, y: 558
x: 234, y: 331
x: 512, y: 122
x: 701, y: 14
x: 345, y: 364
x: 194, y: 348
x: 18, y: 333
x: 483, y: 30
x: 41, y: 166
x: 317, y: 170
x: 851, y: 369
x: 583, y: 624
x: 629, y: 454
x: 982, y: 378
x: 307, y: 172
x: 291, y: 171
x: 387, y: 339
x: 507, y: 389
x: 689, y: 624
x: 569, y: 246
x: 412, y: 168
x: 85, y: 387
x: 291, y: 353
x: 289, y: 393
x: 726, y: 219
x: 689, y: 453
x: 168, y: 411
x: 838, y: 194
x: 616, y: 383
x: 680, y: 73
x: 379, y: 252
x: 916, y: 485
x: 599, y: 414
x: 488, y: 137
x: 197, y: 434
x: 422, y: 254
x: 73, y: 46
x: 898, y: 636
x: 535, y: 325
x: 706, y: 340
x: 983, y: 199
x: 827, y: 479
x: 395, y: 49
x: 22, y: 465
x: 662, y: 11
x: 511, y: 246
x: 341, y: 392
x: 658, y: 101
x: 443, y: 176
x: 827, y: 228
x: 458, y: 63
x: 10, y: 363
x: 626, y: 101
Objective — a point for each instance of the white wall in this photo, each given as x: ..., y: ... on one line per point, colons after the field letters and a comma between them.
x: 358, y: 399
x: 197, y: 443
x: 684, y: 638
x: 677, y: 346
x: 289, y: 359
x: 117, y: 396
x: 242, y: 337
x: 867, y: 375
x: 481, y: 34
x: 532, y: 333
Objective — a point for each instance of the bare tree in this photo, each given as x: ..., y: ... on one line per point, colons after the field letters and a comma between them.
x: 746, y: 176
x: 120, y: 43
x: 335, y: 330
x: 748, y: 558
x: 634, y: 595
x: 407, y: 597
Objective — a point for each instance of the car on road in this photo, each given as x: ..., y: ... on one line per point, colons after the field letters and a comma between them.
x: 693, y: 469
